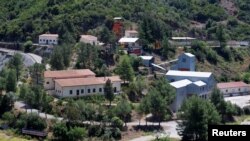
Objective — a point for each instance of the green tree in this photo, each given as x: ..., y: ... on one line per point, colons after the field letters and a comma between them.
x: 125, y: 70
x: 123, y: 110
x: 2, y: 84
x: 167, y: 51
x: 76, y: 134
x: 60, y: 131
x: 27, y: 46
x: 56, y: 59
x: 6, y: 102
x: 109, y: 92
x: 221, y: 35
x: 225, y: 109
x: 196, y: 114
x: 117, y: 122
x: 72, y: 112
x: 9, y: 117
x: 16, y: 62
x: 35, y: 122
x: 106, y: 36
x: 24, y: 90
x: 11, y: 81
x: 138, y: 85
x: 36, y: 73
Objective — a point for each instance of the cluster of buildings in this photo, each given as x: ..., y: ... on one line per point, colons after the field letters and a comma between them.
x: 77, y: 83
x: 188, y: 82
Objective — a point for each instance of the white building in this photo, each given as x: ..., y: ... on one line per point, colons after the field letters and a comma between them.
x: 48, y: 39
x: 89, y: 39
x: 131, y: 45
x: 77, y: 87
x: 131, y: 33
x: 188, y: 83
x: 51, y: 76
x: 147, y: 60
x: 234, y: 88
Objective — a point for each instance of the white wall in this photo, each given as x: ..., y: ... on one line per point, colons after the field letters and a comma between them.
x: 48, y: 40
x: 65, y: 91
x: 235, y: 91
x: 92, y: 42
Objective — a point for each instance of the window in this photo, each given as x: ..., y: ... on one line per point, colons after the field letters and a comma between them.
x: 94, y: 90
x: 47, y: 82
x: 183, y: 60
x: 100, y: 89
x: 50, y: 40
x: 115, y: 89
x: 77, y: 92
x: 172, y: 80
x: 239, y: 89
x: 82, y: 91
x: 88, y: 90
x: 226, y: 90
x: 54, y: 40
x: 70, y: 92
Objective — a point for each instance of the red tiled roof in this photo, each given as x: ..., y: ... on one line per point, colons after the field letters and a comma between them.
x: 86, y: 81
x: 232, y: 85
x: 69, y: 74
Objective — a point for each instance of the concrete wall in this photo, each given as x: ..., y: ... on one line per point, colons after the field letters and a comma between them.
x: 48, y: 41
x: 92, y: 42
x: 49, y: 84
x: 181, y: 95
x: 235, y: 91
x: 87, y: 90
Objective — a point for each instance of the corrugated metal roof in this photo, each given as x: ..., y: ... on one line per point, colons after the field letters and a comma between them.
x: 181, y: 83
x: 188, y: 73
x: 182, y: 38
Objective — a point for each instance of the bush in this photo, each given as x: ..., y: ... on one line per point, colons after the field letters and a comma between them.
x: 35, y: 122
x: 246, y: 110
x: 95, y: 131
x: 76, y: 133
x: 117, y: 122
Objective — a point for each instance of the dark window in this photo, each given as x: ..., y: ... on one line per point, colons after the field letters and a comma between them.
x: 47, y: 82
x: 226, y: 90
x: 88, y: 90
x: 115, y: 89
x: 172, y: 80
x: 77, y: 92
x: 93, y: 90
x: 239, y: 89
x: 100, y: 89
x: 70, y: 92
x: 82, y: 91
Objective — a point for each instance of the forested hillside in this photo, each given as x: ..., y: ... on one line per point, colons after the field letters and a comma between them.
x: 70, y: 18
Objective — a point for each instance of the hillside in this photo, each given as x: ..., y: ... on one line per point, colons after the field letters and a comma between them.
x: 20, y: 19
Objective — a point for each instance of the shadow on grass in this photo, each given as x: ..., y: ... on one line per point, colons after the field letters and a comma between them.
x: 148, y: 128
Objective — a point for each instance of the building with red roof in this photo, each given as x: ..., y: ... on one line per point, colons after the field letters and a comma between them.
x: 234, y: 88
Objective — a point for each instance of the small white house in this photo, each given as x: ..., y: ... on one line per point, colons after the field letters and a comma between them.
x: 131, y: 45
x: 48, y: 39
x: 234, y: 88
x: 147, y: 60
x: 77, y: 87
x: 131, y: 33
x: 186, y: 62
x: 89, y: 39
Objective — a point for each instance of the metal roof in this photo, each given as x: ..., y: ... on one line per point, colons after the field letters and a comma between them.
x: 183, y: 38
x: 146, y: 57
x: 189, y: 54
x: 181, y: 83
x: 128, y: 40
x: 188, y: 73
x: 200, y: 83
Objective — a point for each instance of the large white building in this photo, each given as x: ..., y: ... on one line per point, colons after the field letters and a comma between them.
x: 233, y: 88
x: 89, y: 39
x: 85, y: 86
x: 74, y: 83
x: 188, y: 83
x: 48, y: 39
x: 186, y: 62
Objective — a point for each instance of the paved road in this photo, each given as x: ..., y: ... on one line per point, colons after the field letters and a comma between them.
x: 20, y: 105
x: 241, y: 101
